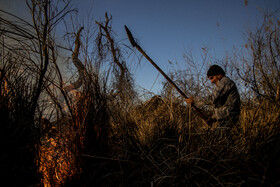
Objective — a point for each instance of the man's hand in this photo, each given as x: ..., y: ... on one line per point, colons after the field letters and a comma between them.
x: 190, y: 101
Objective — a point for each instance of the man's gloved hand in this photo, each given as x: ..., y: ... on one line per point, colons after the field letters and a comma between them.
x: 190, y: 101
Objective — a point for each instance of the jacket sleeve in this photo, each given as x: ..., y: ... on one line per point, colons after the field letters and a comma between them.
x: 221, y: 112
x: 226, y: 100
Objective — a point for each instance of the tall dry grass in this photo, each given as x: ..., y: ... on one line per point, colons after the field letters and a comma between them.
x: 110, y: 137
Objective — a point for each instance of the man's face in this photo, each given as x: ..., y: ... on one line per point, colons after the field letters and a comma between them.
x: 215, y: 79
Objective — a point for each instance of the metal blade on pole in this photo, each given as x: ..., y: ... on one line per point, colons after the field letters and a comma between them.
x: 134, y: 44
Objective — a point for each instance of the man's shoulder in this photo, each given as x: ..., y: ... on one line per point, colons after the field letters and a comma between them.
x: 227, y: 81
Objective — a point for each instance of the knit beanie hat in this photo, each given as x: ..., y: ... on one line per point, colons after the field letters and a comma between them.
x: 215, y: 70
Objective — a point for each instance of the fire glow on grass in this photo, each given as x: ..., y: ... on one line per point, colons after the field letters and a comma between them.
x: 60, y: 147
x: 57, y: 162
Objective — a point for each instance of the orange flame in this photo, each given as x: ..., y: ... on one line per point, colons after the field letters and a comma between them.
x: 57, y: 162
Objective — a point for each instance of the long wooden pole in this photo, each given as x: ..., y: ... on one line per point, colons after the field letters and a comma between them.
x: 134, y: 44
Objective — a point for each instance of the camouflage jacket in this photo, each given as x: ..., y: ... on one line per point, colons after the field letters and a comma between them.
x: 226, y: 100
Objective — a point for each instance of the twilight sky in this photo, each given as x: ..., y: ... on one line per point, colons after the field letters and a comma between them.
x: 168, y: 28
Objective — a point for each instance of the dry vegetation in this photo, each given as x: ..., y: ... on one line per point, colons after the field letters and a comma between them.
x: 98, y: 132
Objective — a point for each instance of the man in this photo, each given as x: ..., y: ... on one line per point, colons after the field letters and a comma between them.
x: 225, y: 98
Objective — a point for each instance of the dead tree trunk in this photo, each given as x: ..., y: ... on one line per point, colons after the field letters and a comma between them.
x: 78, y: 64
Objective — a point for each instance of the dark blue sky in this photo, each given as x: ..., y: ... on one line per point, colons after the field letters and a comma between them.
x: 167, y: 28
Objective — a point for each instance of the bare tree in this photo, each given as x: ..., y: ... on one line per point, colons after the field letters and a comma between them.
x: 260, y: 69
x: 30, y: 74
x: 108, y: 47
